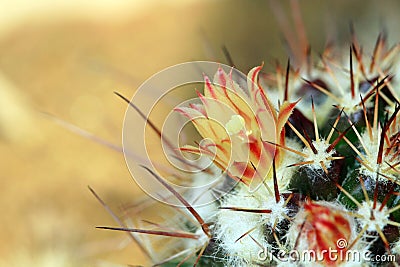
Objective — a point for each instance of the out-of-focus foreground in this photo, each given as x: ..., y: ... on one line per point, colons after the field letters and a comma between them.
x: 66, y: 59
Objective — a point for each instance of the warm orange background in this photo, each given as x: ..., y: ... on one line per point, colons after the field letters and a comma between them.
x: 67, y: 58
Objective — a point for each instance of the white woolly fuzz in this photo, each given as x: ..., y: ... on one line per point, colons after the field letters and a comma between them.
x: 277, y: 210
x: 231, y: 224
x: 380, y: 218
x: 321, y: 156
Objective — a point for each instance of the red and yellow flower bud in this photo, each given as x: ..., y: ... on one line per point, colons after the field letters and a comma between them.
x: 243, y: 127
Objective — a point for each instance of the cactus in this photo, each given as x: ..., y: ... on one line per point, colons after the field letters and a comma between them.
x: 308, y: 161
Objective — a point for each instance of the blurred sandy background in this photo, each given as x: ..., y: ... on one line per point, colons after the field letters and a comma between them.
x: 66, y: 58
